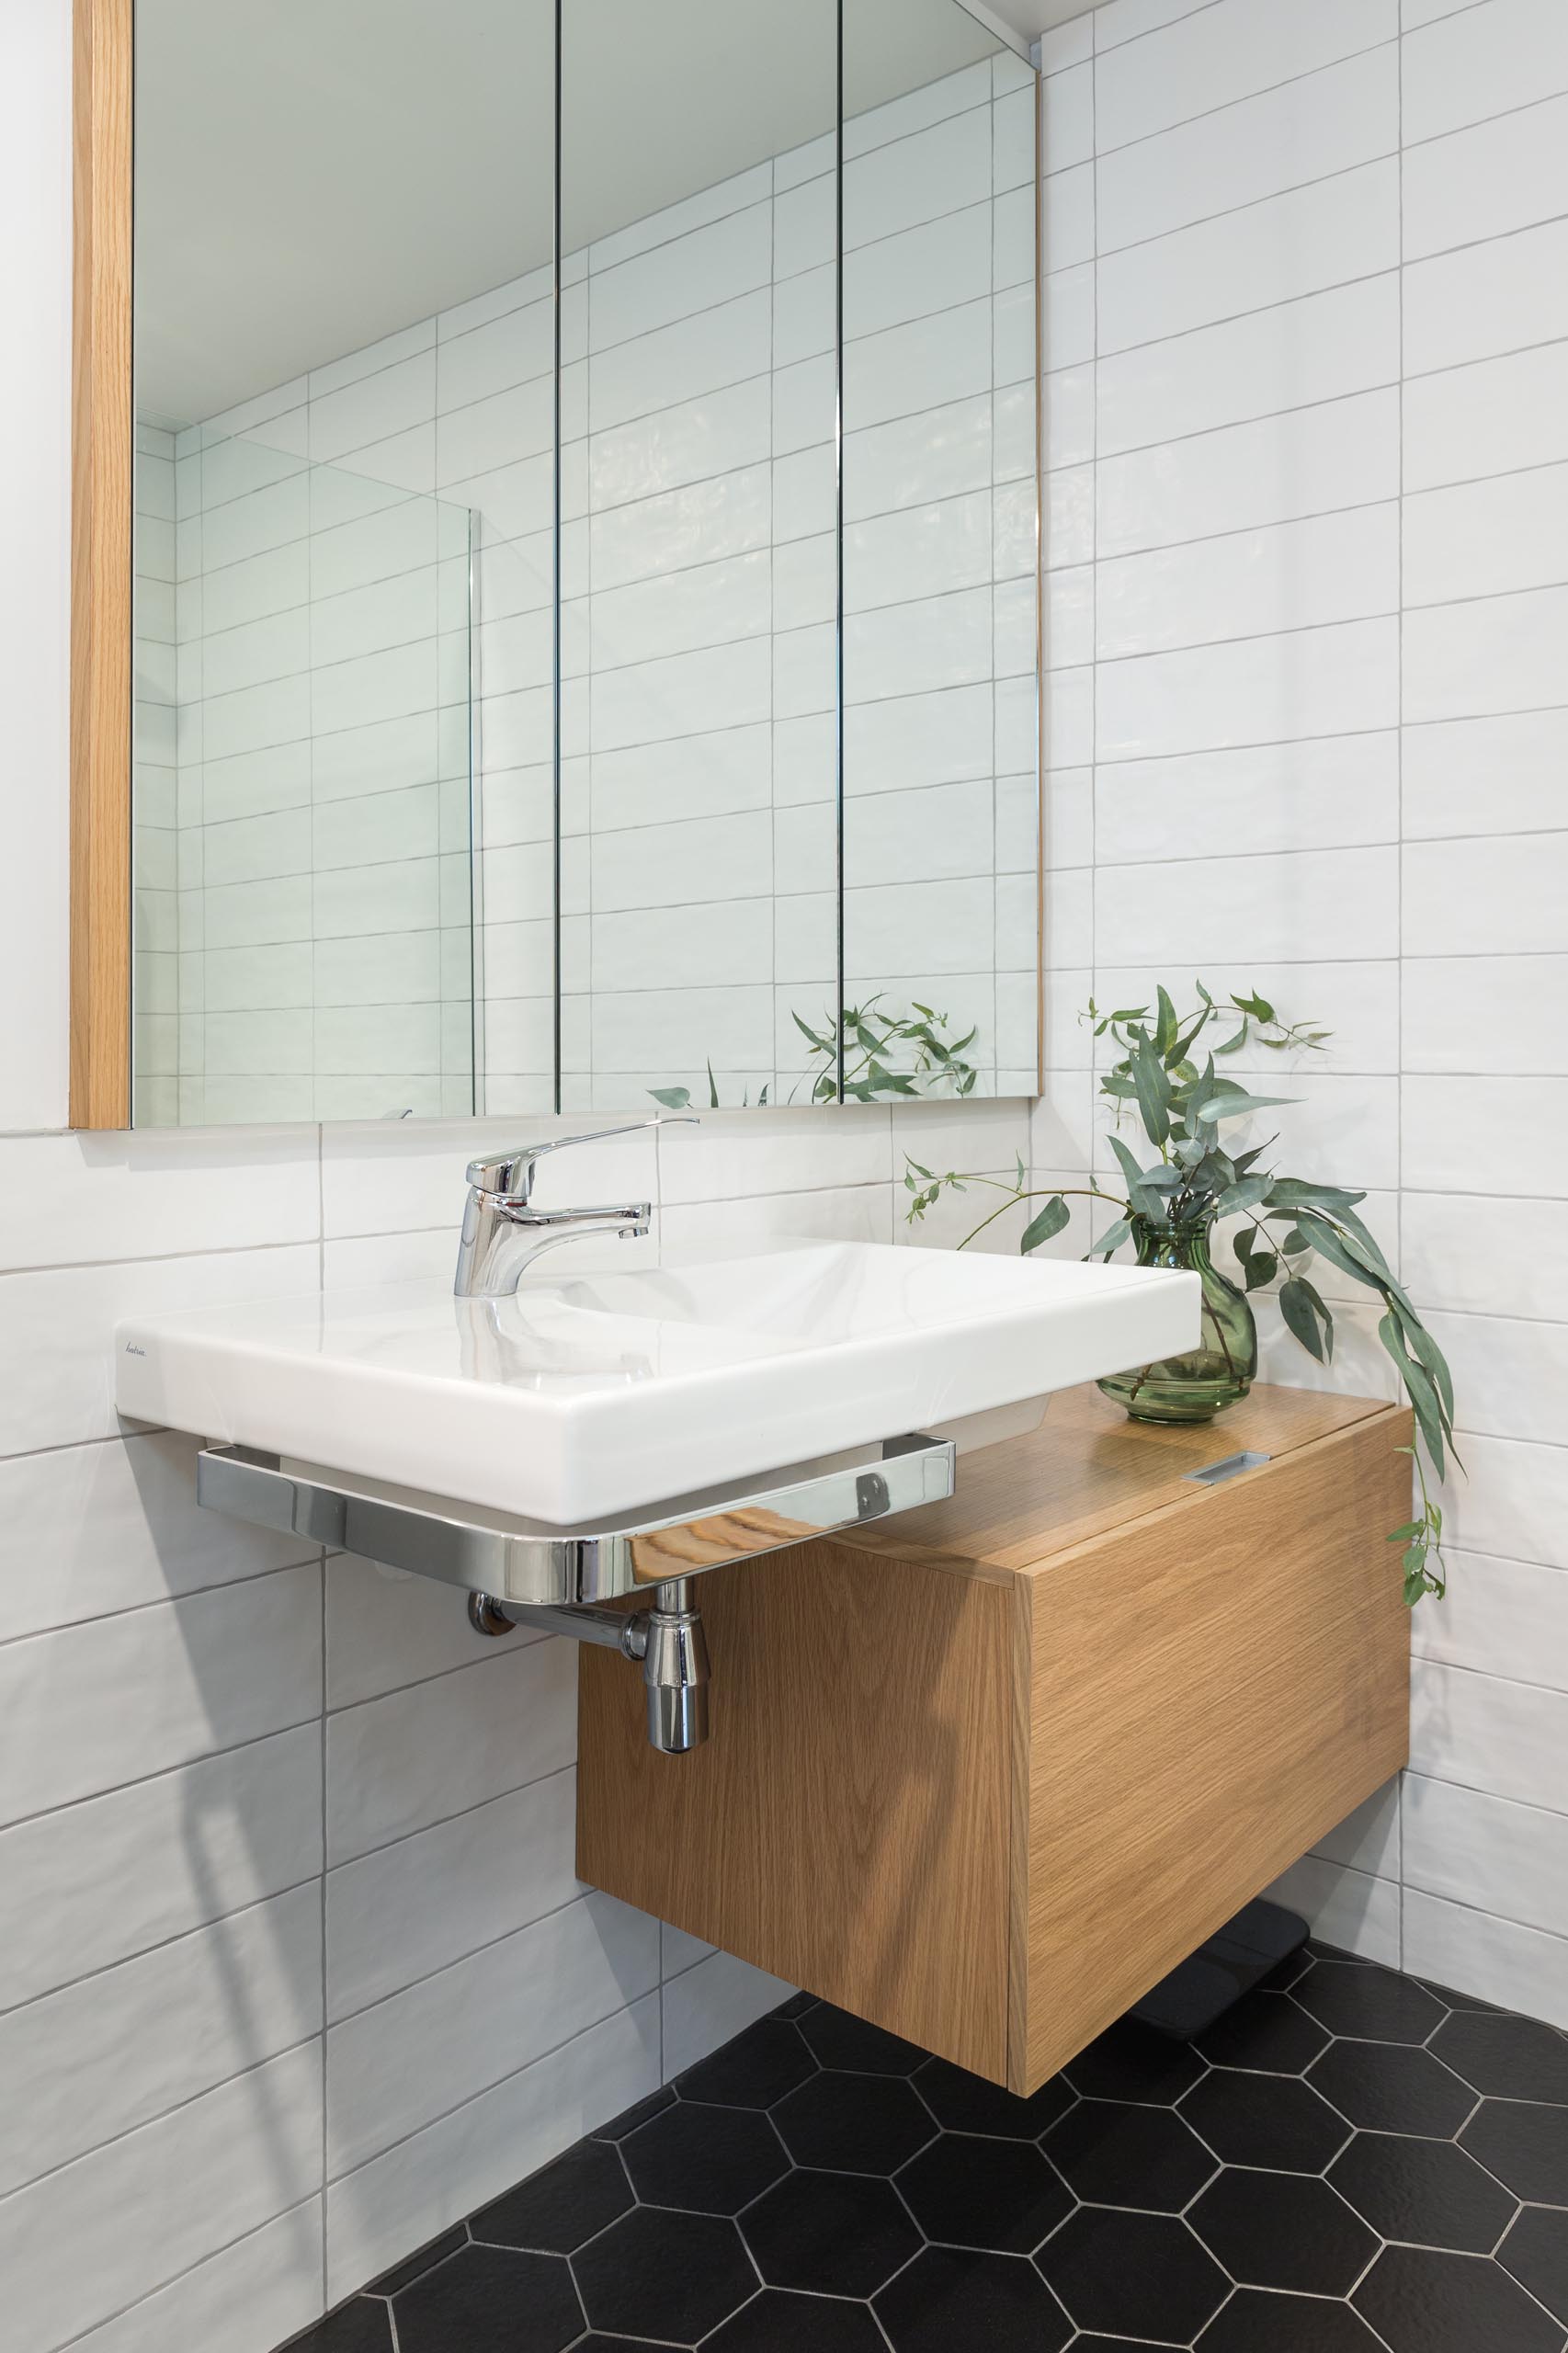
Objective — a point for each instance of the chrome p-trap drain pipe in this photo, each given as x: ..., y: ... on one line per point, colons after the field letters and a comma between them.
x: 667, y: 1639
x: 522, y: 1573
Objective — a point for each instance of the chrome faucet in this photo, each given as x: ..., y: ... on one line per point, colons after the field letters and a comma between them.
x: 499, y: 1218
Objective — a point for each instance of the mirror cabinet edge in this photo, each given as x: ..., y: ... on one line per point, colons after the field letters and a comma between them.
x: 1040, y: 592
x: 102, y: 502
x: 102, y: 438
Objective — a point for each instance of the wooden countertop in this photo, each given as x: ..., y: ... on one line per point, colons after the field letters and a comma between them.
x: 1020, y: 1506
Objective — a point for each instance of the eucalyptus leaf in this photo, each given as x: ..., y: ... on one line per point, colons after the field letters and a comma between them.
x: 1419, y: 1389
x: 1261, y: 1268
x: 1418, y: 1337
x: 674, y: 1098
x: 1043, y: 1228
x: 1301, y: 1316
x: 1287, y: 1193
x: 1245, y: 1194
x: 1146, y: 1203
x: 1328, y: 1243
x: 1234, y: 1103
x: 1153, y: 1082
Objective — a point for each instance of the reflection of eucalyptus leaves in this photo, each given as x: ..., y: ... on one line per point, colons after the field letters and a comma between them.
x: 875, y: 1043
x: 1169, y: 1211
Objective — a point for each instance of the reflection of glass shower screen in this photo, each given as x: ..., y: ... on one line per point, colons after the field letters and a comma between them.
x: 303, y: 854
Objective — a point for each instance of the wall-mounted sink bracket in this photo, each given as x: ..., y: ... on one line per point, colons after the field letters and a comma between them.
x: 519, y: 1571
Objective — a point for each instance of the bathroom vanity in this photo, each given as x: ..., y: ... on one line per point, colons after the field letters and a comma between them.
x: 985, y: 1773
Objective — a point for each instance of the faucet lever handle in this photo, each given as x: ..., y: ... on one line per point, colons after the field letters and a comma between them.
x: 509, y: 1175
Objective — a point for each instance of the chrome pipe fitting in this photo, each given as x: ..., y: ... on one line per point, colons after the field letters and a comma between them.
x: 676, y: 1671
x: 667, y: 1639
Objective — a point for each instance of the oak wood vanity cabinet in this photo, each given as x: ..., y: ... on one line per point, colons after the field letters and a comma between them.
x: 986, y: 1773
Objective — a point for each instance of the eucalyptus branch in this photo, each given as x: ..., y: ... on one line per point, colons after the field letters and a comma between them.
x: 1166, y: 1075
x: 886, y: 1058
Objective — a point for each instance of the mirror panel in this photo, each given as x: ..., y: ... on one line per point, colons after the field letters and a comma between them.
x: 343, y: 330
x: 940, y: 728
x: 521, y: 722
x: 699, y: 598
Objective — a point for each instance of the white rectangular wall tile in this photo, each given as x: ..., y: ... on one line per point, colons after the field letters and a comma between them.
x: 87, y: 2064
x: 154, y: 2202
x: 91, y: 1707
x: 98, y: 1883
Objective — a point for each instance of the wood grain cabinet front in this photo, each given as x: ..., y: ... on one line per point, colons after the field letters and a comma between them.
x: 985, y: 1775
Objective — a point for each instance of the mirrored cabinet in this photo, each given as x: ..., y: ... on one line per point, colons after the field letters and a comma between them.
x: 584, y: 562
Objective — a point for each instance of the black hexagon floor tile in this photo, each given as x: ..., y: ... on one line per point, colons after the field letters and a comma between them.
x: 830, y: 2233
x: 704, y: 2160
x: 426, y: 2259
x: 619, y: 2126
x: 1503, y: 2057
x: 491, y: 2300
x: 1256, y: 2322
x: 776, y: 2322
x: 1389, y: 2087
x: 1273, y: 2121
x: 1536, y: 2252
x: 1428, y: 2193
x: 362, y: 2327
x: 596, y: 2343
x: 998, y: 2195
x: 1133, y: 2062
x: 840, y: 2040
x: 1110, y: 2154
x: 1453, y: 2001
x: 758, y: 2067
x: 1134, y: 2275
x: 1269, y: 2033
x: 1368, y: 2004
x: 964, y: 2103
x: 1283, y: 2230
x: 1525, y: 2144
x: 562, y: 2208
x: 1420, y: 2301
x: 853, y: 2123
x: 673, y: 2277
x: 1113, y: 2345
x: 951, y: 2297
x: 1371, y: 2194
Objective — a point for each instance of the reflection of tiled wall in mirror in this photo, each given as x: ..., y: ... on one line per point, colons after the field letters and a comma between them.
x: 940, y: 558
x: 321, y: 790
x: 323, y: 627
x: 702, y: 910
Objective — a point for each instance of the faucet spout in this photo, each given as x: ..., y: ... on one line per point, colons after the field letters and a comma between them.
x: 503, y: 1233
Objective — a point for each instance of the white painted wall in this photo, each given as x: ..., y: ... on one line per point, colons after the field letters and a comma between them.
x: 1308, y: 503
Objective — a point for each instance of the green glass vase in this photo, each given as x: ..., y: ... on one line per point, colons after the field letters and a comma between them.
x: 1195, y: 1387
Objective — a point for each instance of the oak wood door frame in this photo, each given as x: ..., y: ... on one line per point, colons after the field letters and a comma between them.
x: 102, y: 438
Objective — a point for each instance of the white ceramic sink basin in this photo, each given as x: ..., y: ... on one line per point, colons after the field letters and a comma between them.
x: 599, y: 1393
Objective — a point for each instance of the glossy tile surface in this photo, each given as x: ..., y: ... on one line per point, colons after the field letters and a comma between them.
x: 817, y: 2186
